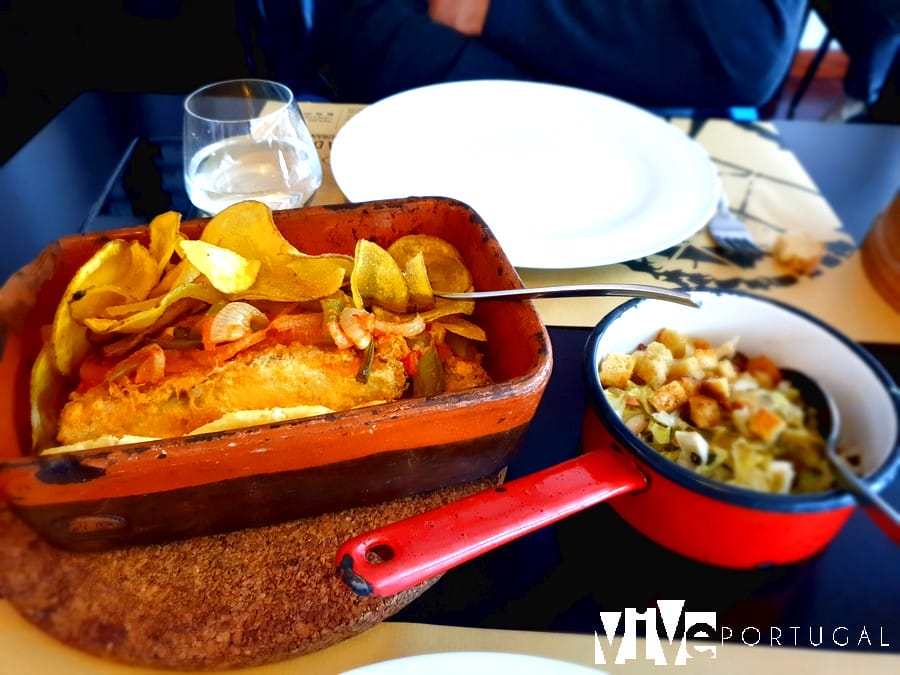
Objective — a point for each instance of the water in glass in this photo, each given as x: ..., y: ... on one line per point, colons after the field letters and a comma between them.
x: 247, y: 140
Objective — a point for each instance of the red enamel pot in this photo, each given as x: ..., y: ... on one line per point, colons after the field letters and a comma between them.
x: 741, y: 528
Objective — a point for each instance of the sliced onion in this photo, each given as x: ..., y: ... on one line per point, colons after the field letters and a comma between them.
x: 637, y: 423
x: 463, y: 327
x: 408, y: 328
x: 234, y: 321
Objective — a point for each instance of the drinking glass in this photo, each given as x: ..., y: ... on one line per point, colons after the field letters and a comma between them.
x: 246, y: 139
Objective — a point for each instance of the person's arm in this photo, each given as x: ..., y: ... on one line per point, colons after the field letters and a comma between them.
x: 464, y: 16
x: 381, y: 47
x: 653, y: 52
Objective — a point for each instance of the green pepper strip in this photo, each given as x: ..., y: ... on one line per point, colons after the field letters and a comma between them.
x: 365, y: 365
x: 430, y: 380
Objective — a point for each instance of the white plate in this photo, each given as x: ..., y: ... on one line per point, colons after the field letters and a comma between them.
x: 473, y: 663
x: 563, y: 177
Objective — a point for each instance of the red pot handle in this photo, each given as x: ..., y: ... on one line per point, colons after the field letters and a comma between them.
x: 416, y: 549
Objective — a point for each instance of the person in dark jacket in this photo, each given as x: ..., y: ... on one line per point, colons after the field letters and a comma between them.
x: 652, y: 53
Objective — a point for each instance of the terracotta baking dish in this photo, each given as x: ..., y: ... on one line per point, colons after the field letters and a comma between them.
x: 177, y: 488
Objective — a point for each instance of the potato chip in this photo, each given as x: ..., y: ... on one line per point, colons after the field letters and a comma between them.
x: 227, y: 271
x: 246, y: 418
x: 447, y: 270
x: 181, y: 273
x: 286, y: 274
x: 444, y: 308
x: 143, y: 315
x: 344, y: 261
x: 249, y: 229
x: 463, y: 327
x: 94, y: 301
x: 416, y: 275
x: 102, y: 441
x: 301, y: 279
x: 320, y: 276
x: 48, y: 393
x: 126, y: 309
x: 68, y: 337
x: 165, y: 232
x: 142, y: 274
x: 377, y: 278
x: 131, y: 278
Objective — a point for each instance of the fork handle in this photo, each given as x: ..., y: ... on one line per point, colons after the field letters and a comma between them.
x: 578, y: 291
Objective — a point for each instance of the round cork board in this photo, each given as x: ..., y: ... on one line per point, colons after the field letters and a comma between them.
x: 233, y: 600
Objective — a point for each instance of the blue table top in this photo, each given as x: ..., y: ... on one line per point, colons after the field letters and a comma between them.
x: 112, y: 160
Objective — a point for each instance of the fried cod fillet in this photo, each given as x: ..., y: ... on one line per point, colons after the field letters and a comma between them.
x: 264, y: 376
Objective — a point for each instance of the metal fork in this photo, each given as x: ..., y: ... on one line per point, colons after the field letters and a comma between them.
x: 730, y: 233
x: 577, y: 291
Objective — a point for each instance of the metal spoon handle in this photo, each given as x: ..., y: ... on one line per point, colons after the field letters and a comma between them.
x: 577, y: 291
x: 889, y: 518
x: 879, y: 510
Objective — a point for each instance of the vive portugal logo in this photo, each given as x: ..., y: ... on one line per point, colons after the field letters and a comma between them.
x: 661, y: 650
x: 672, y: 636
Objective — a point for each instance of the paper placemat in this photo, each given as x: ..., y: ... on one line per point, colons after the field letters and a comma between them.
x: 324, y: 120
x: 772, y: 193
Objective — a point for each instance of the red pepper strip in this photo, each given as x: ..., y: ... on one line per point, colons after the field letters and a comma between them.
x: 151, y: 362
x: 205, y: 328
x: 232, y: 349
x: 127, y: 365
x: 443, y: 350
x: 92, y: 372
x: 179, y: 361
x: 411, y: 363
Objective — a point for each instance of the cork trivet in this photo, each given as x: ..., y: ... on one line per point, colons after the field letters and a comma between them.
x: 234, y: 600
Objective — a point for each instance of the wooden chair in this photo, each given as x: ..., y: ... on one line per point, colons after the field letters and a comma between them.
x: 869, y: 33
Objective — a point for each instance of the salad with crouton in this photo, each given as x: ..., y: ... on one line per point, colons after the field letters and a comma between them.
x: 719, y: 412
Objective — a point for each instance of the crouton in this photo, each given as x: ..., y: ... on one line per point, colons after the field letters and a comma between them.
x: 652, y: 364
x: 765, y: 370
x: 616, y: 369
x: 673, y: 340
x: 691, y: 384
x: 727, y: 370
x: 800, y: 252
x: 766, y: 425
x: 707, y: 358
x: 704, y: 411
x: 668, y: 397
x: 718, y: 388
x: 688, y: 366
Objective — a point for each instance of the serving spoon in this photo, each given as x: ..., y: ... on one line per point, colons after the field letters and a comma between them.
x: 829, y: 422
x: 577, y: 291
